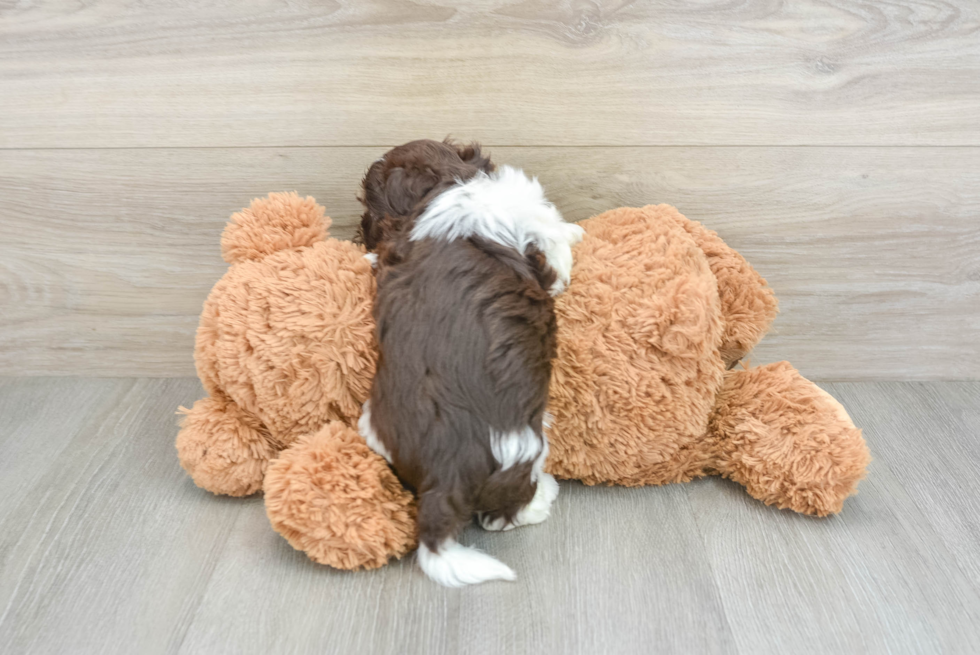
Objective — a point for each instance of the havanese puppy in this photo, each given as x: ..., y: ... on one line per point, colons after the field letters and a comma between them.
x: 469, y: 259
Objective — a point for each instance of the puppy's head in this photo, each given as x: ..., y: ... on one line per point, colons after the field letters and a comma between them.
x: 398, y: 186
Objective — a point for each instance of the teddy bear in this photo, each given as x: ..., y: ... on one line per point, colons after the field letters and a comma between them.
x: 646, y: 386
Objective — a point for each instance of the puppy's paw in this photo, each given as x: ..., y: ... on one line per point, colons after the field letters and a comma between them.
x: 498, y: 524
x: 560, y: 260
x: 560, y: 257
x: 539, y: 508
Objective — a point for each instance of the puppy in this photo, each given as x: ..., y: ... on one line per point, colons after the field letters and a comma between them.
x: 469, y: 261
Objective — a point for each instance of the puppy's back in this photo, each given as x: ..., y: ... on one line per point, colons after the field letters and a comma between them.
x: 470, y: 330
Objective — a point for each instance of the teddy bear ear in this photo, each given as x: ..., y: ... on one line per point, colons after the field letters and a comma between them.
x: 277, y: 222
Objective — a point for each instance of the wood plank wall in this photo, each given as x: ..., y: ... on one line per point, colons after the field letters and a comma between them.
x: 836, y: 144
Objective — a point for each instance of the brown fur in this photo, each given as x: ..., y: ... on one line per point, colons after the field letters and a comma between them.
x: 466, y: 331
x: 399, y: 185
x: 286, y: 346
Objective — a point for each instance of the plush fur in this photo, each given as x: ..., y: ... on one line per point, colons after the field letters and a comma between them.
x: 286, y: 348
x: 281, y: 348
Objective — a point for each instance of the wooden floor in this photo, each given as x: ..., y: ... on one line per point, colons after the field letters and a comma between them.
x: 107, y: 547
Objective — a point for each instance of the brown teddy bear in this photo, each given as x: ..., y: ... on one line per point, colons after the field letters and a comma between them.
x: 644, y: 388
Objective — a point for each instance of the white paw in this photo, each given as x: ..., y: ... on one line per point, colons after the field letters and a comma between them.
x: 539, y: 508
x: 560, y: 260
x: 373, y: 258
x: 560, y: 257
x: 558, y: 287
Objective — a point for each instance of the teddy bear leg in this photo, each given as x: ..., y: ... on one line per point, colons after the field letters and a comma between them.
x: 790, y: 443
x: 335, y: 499
x: 225, y: 449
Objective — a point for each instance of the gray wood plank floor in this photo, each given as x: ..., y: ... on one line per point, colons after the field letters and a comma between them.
x: 106, y: 546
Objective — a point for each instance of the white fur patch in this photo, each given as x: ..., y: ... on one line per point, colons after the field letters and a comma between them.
x: 373, y: 258
x: 547, y: 420
x: 546, y: 491
x: 366, y: 430
x: 539, y: 508
x: 515, y: 447
x: 536, y: 511
x: 538, y: 469
x: 509, y: 208
x: 454, y: 565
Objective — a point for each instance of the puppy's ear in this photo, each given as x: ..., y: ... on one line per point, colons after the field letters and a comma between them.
x: 373, y: 198
x: 404, y: 190
x: 390, y: 193
x: 471, y: 154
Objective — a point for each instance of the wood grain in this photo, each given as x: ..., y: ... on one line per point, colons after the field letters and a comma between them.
x: 106, y: 546
x: 857, y: 559
x: 107, y: 549
x: 932, y: 473
x: 874, y: 253
x: 395, y: 610
x: 531, y: 72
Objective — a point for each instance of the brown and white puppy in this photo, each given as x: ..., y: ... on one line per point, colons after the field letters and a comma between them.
x: 466, y: 329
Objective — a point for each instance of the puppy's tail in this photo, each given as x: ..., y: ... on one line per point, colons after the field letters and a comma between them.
x: 455, y: 565
x: 443, y: 559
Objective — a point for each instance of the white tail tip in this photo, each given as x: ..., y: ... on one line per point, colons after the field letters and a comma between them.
x: 454, y: 565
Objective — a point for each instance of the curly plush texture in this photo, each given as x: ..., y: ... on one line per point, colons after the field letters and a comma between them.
x: 748, y: 304
x: 639, y: 329
x: 290, y: 338
x: 789, y: 442
x: 658, y: 309
x: 285, y: 344
x: 279, y: 222
x: 225, y: 450
x: 332, y: 497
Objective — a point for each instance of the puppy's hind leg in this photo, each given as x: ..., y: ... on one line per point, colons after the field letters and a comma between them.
x: 539, y: 508
x: 503, y: 495
x: 545, y: 492
x: 517, y: 496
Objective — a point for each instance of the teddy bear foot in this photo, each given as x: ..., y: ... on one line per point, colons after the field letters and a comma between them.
x: 790, y: 443
x: 336, y: 500
x: 224, y: 449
